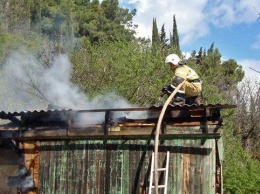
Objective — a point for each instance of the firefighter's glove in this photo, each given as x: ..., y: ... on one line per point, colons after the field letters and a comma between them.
x: 167, y: 90
x: 163, y: 92
x: 164, y: 89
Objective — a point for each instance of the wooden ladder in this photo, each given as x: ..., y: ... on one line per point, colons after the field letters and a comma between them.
x: 166, y: 169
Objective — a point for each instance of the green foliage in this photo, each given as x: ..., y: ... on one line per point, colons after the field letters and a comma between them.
x: 155, y: 34
x: 61, y: 20
x: 13, y: 42
x: 105, y: 21
x: 161, y: 44
x: 108, y: 59
x: 175, y: 36
x: 219, y: 78
x: 163, y: 36
x: 247, y: 127
x: 232, y: 72
x: 241, y: 173
x: 129, y: 69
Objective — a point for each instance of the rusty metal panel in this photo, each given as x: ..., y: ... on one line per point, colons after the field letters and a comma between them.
x: 123, y: 166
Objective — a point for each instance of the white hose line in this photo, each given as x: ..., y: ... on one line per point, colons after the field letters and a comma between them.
x: 157, y: 132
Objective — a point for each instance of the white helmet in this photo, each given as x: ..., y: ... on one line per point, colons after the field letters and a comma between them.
x: 172, y: 58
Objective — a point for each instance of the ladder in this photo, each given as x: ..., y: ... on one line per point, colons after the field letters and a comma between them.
x: 166, y: 169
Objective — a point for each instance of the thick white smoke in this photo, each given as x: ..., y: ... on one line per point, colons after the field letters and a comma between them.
x: 31, y: 86
x: 27, y: 85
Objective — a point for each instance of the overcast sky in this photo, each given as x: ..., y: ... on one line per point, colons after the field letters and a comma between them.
x: 231, y: 25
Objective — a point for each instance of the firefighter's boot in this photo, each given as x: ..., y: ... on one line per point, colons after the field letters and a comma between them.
x: 179, y: 97
x: 193, y: 100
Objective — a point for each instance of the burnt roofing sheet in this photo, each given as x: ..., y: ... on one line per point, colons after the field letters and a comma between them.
x: 152, y: 109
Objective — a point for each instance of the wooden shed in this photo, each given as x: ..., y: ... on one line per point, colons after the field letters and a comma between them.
x: 73, y: 151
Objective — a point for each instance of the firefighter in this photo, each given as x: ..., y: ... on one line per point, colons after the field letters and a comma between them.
x: 192, y: 87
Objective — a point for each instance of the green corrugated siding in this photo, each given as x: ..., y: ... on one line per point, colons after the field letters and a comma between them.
x: 123, y: 166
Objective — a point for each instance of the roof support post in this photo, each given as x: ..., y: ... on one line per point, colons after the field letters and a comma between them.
x: 106, y: 124
x: 69, y: 123
x: 204, y: 125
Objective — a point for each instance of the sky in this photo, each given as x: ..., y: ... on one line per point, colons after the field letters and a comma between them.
x: 232, y: 25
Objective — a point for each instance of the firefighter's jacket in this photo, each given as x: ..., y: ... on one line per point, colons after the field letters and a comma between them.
x: 192, y: 85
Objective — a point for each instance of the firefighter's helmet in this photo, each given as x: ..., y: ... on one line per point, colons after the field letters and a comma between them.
x: 172, y: 58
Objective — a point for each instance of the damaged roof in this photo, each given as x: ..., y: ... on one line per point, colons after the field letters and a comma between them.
x: 103, y: 123
x: 4, y: 115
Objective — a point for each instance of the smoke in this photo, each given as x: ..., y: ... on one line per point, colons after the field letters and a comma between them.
x: 27, y: 85
x: 23, y: 181
x: 32, y: 86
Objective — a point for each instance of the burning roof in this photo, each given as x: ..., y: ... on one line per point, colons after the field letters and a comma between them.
x: 104, y: 121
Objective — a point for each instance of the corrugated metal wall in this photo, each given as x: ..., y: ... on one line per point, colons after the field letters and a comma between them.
x: 123, y: 166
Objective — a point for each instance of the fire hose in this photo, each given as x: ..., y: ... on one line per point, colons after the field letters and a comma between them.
x: 156, y: 139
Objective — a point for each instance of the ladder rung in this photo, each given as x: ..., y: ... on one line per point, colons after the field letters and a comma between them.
x: 161, y: 169
x: 166, y: 169
x: 159, y: 186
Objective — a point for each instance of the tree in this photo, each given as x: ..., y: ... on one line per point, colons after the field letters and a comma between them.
x: 15, y: 15
x: 36, y: 16
x: 130, y: 70
x: 155, y: 34
x: 164, y: 40
x: 232, y: 72
x: 247, y: 98
x: 163, y: 36
x: 240, y: 171
x: 175, y: 36
x: 218, y: 77
x: 110, y: 9
x: 161, y: 42
x: 105, y: 21
x: 109, y: 59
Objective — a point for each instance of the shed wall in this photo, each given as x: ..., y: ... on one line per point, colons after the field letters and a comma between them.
x: 123, y: 166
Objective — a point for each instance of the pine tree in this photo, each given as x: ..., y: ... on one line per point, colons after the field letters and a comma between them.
x: 175, y: 37
x: 163, y: 35
x: 163, y: 38
x: 211, y: 49
x: 199, y: 56
x: 110, y: 9
x: 155, y: 34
